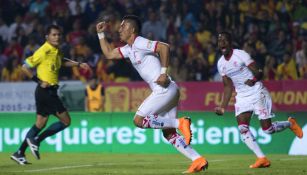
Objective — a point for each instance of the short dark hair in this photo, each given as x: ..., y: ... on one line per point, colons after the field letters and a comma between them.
x: 52, y: 26
x: 227, y: 35
x: 135, y: 21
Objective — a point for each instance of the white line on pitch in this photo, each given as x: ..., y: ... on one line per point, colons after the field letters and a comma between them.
x: 124, y: 163
x: 100, y: 164
x: 55, y: 168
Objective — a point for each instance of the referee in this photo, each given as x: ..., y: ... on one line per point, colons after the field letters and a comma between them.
x: 47, y: 60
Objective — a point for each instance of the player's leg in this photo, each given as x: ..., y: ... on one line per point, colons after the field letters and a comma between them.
x: 247, y: 137
x: 31, y: 140
x: 198, y: 162
x: 149, y: 114
x: 64, y: 122
x: 19, y: 156
x: 263, y: 109
x: 270, y: 128
x: 52, y: 105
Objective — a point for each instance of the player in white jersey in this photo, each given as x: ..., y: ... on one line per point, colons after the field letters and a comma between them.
x: 238, y: 69
x: 159, y: 109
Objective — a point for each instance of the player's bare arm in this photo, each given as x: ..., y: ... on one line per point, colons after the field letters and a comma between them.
x: 226, y: 96
x: 163, y: 51
x: 258, y: 74
x: 72, y: 63
x: 106, y: 48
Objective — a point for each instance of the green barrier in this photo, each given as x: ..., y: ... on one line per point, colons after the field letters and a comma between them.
x: 115, y: 132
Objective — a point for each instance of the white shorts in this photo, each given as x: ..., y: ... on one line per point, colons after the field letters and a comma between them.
x: 259, y: 103
x: 163, y: 103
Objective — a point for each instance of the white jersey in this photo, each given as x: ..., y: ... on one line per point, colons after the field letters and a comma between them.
x: 236, y: 69
x: 144, y: 59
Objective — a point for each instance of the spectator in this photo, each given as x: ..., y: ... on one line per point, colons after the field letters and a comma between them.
x: 76, y: 33
x: 154, y: 26
x: 39, y: 7
x: 287, y: 69
x: 4, y: 30
x: 94, y: 96
x: 12, y: 71
x: 12, y: 28
x: 301, y: 60
x: 14, y: 49
x: 269, y: 70
x: 30, y: 48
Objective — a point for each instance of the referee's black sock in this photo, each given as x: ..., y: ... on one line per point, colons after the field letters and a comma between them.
x: 31, y: 133
x: 51, y: 130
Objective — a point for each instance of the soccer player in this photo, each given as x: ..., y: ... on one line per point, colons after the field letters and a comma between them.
x: 159, y: 109
x: 238, y: 69
x: 47, y: 60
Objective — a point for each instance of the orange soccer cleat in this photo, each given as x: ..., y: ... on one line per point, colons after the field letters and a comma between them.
x: 262, y: 162
x: 184, y: 128
x: 197, y: 166
x: 295, y: 127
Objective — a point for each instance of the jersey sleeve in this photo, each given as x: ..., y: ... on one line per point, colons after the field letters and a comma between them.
x: 246, y: 58
x: 220, y: 69
x: 124, y: 51
x: 146, y: 44
x: 34, y: 60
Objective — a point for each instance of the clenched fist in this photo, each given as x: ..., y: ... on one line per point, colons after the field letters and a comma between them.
x: 102, y: 27
x: 219, y: 110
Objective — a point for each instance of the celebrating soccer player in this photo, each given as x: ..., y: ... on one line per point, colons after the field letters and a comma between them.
x: 159, y: 109
x: 238, y: 69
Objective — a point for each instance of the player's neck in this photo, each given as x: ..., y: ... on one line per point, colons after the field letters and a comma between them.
x: 131, y: 39
x: 229, y: 54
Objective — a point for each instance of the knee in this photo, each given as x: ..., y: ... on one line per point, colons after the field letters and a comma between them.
x: 168, y: 133
x: 243, y: 128
x: 40, y: 124
x: 245, y: 132
x: 64, y: 118
x: 138, y: 121
x: 67, y: 123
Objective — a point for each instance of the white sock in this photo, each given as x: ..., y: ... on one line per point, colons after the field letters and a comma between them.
x: 179, y: 143
x: 158, y: 122
x: 280, y: 126
x: 250, y: 141
x: 277, y: 127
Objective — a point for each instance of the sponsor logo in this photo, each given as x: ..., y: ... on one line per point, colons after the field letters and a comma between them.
x: 149, y: 44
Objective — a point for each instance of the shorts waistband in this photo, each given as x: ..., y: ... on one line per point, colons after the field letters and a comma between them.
x: 50, y: 87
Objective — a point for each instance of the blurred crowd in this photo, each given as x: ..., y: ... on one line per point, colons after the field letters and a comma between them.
x: 273, y: 32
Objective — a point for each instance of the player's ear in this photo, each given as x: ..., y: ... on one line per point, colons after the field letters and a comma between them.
x: 46, y: 36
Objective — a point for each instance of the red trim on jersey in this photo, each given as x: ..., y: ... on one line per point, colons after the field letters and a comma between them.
x: 267, y: 128
x: 252, y: 63
x: 120, y: 52
x: 227, y: 57
x: 156, y: 46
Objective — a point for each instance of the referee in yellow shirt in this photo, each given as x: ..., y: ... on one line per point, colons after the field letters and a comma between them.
x: 47, y: 60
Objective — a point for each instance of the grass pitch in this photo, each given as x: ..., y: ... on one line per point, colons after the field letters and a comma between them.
x: 137, y: 164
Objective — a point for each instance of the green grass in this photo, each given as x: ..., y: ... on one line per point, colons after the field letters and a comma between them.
x: 90, y: 163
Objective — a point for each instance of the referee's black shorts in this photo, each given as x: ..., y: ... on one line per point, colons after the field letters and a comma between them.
x: 47, y: 101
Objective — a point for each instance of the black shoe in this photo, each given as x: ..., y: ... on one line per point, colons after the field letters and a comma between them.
x: 19, y: 158
x: 34, y: 146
